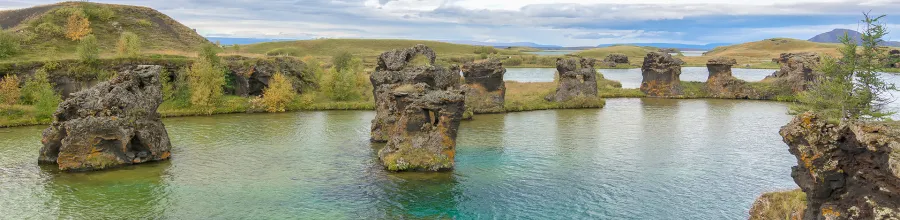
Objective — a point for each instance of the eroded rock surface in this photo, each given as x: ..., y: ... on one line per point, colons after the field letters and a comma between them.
x: 721, y: 84
x: 797, y: 69
x: 418, y: 110
x: 662, y: 75
x: 577, y: 78
x: 485, y: 89
x: 250, y: 76
x: 848, y: 171
x: 615, y: 59
x: 115, y: 123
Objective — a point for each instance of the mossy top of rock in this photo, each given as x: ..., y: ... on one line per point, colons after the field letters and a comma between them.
x: 721, y: 61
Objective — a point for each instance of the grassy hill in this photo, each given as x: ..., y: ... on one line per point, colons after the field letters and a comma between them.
x: 628, y: 50
x: 42, y: 29
x: 771, y: 48
x: 360, y: 47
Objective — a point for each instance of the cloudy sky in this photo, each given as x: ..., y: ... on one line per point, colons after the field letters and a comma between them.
x: 557, y: 22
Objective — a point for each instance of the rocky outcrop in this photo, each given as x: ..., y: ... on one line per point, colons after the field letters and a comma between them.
x: 615, y: 59
x: 662, y: 75
x: 250, y: 76
x: 721, y: 84
x: 418, y: 110
x: 574, y: 80
x: 893, y: 60
x: 848, y: 170
x: 485, y: 89
x: 797, y: 69
x: 112, y: 124
x: 668, y: 50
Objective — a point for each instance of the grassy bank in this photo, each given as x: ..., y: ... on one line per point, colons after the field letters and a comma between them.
x: 779, y: 205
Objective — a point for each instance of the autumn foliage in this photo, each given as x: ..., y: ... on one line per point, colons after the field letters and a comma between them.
x: 9, y: 90
x: 77, y: 26
x: 279, y: 93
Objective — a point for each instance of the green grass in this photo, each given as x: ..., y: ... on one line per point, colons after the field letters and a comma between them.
x: 779, y: 205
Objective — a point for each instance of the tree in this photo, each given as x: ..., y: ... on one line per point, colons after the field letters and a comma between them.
x: 341, y: 60
x: 851, y: 87
x: 89, y: 49
x: 279, y: 94
x: 38, y: 91
x: 77, y: 26
x: 210, y: 53
x: 129, y: 45
x: 205, y: 82
x: 9, y: 90
x: 9, y: 44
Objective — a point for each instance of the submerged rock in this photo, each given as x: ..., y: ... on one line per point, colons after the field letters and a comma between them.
x: 485, y: 89
x: 797, y: 69
x: 614, y: 59
x: 418, y: 110
x: 662, y: 75
x: 115, y: 123
x: 848, y: 171
x: 575, y: 80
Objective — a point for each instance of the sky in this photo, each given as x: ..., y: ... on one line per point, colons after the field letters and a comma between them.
x: 554, y: 22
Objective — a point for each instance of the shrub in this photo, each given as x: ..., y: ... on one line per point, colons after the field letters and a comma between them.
x: 168, y: 89
x: 9, y: 90
x: 284, y: 52
x: 129, y: 45
x: 314, y: 68
x: 49, y: 29
x: 100, y: 13
x: 144, y: 23
x: 515, y: 61
x: 9, y: 44
x: 38, y: 91
x: 77, y: 26
x: 205, y: 82
x: 486, y: 50
x: 279, y: 93
x: 89, y: 49
x: 210, y: 53
x: 341, y: 60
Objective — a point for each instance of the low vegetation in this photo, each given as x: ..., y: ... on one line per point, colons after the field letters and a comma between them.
x: 779, y: 205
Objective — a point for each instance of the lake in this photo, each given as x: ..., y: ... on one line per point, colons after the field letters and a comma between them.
x: 631, y: 78
x: 633, y: 159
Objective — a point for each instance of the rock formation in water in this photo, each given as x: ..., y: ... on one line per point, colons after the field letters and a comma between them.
x: 574, y: 80
x: 662, y: 75
x: 721, y: 84
x: 115, y: 123
x: 485, y: 89
x: 848, y: 170
x: 797, y: 69
x: 418, y: 110
x: 250, y: 76
x: 614, y: 59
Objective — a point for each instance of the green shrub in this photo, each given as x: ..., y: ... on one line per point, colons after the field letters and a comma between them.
x: 96, y: 12
x: 49, y: 29
x: 486, y: 50
x: 144, y: 23
x: 38, y: 91
x: 284, y: 52
x: 89, y: 49
x: 168, y: 89
x: 279, y: 94
x: 210, y: 53
x: 515, y: 61
x: 205, y: 82
x: 9, y: 44
x: 9, y: 90
x: 341, y: 60
x: 129, y: 45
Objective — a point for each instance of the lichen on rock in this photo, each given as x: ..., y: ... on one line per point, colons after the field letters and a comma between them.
x: 661, y: 75
x: 797, y: 69
x: 485, y: 89
x: 418, y: 111
x: 847, y: 170
x: 577, y: 78
x: 115, y: 123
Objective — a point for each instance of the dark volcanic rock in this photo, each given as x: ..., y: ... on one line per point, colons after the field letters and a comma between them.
x: 662, y: 75
x: 485, y: 89
x: 574, y: 80
x: 418, y: 110
x: 893, y: 59
x: 614, y: 59
x: 848, y: 171
x: 721, y: 84
x: 797, y: 69
x: 250, y: 76
x: 112, y: 124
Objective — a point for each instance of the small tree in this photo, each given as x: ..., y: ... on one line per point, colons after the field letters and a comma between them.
x: 210, y: 53
x: 77, y: 26
x: 129, y: 45
x: 9, y: 90
x: 851, y: 87
x: 237, y: 48
x: 9, y: 44
x: 89, y: 49
x: 341, y: 60
x: 205, y: 82
x: 279, y: 93
x: 38, y: 91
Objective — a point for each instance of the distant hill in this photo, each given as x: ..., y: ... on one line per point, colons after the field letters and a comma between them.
x: 498, y: 44
x: 43, y: 28
x: 771, y: 48
x: 232, y: 41
x: 835, y: 35
x: 631, y: 51
x: 360, y: 47
x: 676, y: 46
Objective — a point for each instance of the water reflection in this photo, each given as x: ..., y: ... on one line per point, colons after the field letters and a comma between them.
x: 110, y: 194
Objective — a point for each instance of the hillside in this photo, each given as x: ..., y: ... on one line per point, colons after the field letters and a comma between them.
x: 771, y: 48
x: 42, y: 29
x: 835, y: 35
x: 360, y: 47
x: 629, y: 50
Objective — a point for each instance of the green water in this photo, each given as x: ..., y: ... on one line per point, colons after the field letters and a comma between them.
x: 635, y: 159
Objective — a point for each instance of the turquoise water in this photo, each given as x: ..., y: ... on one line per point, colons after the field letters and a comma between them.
x: 634, y: 159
